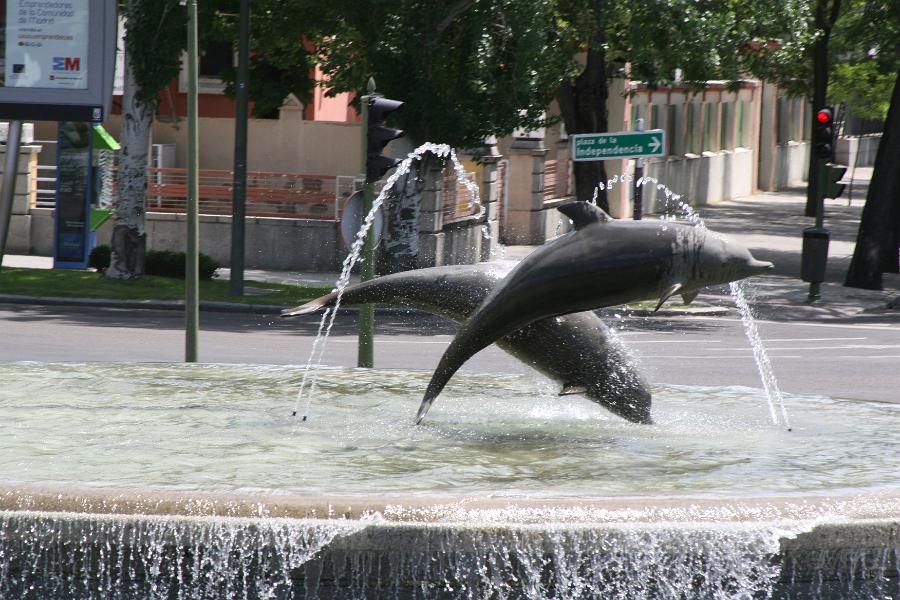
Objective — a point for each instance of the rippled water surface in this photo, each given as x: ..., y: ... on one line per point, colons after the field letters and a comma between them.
x: 229, y: 428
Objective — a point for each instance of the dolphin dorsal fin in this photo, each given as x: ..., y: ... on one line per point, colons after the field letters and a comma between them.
x: 583, y: 213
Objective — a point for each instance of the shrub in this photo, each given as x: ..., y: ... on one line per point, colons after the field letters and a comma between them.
x: 99, y: 258
x: 169, y: 263
x: 165, y: 263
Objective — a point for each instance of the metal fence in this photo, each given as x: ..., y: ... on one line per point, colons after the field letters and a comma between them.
x: 269, y: 194
x: 287, y: 195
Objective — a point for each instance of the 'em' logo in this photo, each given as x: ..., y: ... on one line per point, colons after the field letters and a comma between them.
x: 66, y: 63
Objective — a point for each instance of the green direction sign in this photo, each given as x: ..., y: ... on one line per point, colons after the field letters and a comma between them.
x: 619, y: 144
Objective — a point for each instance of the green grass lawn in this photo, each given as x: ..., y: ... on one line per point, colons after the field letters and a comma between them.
x: 68, y: 283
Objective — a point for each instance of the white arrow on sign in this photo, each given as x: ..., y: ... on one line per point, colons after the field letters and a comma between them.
x: 654, y: 144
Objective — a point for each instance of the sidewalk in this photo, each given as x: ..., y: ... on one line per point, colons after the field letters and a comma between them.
x: 770, y: 224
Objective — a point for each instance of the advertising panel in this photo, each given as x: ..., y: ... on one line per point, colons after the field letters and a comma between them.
x: 46, y: 44
x: 73, y: 191
x: 57, y: 59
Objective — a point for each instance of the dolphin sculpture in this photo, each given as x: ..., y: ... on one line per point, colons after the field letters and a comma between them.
x: 602, y: 262
x: 576, y: 350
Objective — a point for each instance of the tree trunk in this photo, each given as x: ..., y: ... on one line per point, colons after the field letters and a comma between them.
x: 582, y: 103
x: 878, y: 240
x: 401, y: 236
x: 129, y: 238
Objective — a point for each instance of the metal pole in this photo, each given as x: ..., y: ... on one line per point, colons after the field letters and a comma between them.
x: 815, y: 289
x: 192, y: 280
x: 366, y: 324
x: 8, y: 186
x: 638, y: 209
x: 239, y: 203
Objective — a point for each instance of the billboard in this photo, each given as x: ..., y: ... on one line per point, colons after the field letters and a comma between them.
x: 57, y: 59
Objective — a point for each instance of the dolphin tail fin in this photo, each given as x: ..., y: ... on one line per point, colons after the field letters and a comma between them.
x: 461, y: 349
x: 667, y: 293
x: 311, y: 306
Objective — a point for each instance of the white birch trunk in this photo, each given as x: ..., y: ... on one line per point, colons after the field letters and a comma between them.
x: 129, y: 238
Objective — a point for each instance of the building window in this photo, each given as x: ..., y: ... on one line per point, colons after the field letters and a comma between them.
x: 213, y: 60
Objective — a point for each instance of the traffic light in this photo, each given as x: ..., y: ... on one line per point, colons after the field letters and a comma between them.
x: 824, y: 136
x: 833, y: 174
x: 378, y: 136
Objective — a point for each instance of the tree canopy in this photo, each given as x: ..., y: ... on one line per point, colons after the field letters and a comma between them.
x: 466, y: 69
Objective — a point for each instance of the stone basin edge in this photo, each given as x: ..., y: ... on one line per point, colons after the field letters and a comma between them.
x: 881, y: 505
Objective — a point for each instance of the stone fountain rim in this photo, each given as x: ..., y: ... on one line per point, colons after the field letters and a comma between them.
x: 860, y: 506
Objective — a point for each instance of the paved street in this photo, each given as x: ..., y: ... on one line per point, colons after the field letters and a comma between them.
x: 850, y: 360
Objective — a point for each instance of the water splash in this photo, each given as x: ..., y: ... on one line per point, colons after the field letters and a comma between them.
x: 77, y: 556
x: 766, y: 372
x: 329, y: 316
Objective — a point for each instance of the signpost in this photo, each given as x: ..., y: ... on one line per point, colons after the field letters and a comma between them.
x: 57, y: 60
x: 618, y: 145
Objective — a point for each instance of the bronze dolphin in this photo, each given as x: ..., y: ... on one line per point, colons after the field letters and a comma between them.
x: 603, y: 262
x: 577, y: 350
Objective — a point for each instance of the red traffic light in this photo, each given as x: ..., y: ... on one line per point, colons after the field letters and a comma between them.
x: 824, y: 116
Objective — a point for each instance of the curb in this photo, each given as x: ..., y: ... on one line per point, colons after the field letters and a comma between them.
x: 138, y: 304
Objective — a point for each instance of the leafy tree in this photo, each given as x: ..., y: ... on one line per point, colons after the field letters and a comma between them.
x: 466, y: 70
x: 865, y: 58
x: 658, y: 42
x: 280, y: 55
x: 154, y: 37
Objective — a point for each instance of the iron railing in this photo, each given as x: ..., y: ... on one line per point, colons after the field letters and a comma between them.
x: 287, y: 195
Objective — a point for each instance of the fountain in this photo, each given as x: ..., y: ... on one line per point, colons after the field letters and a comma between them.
x: 189, y: 481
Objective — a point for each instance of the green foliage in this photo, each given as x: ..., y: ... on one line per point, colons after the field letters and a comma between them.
x: 866, y: 57
x: 154, y: 38
x: 74, y: 283
x: 862, y: 88
x: 164, y: 263
x: 466, y: 69
x: 280, y: 59
x: 863, y: 49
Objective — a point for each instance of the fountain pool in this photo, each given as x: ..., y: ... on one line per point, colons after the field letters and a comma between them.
x: 192, y: 481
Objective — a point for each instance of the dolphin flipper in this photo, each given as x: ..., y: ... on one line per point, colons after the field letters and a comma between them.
x: 311, y: 306
x: 454, y: 357
x: 573, y: 388
x: 667, y: 293
x: 689, y: 297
